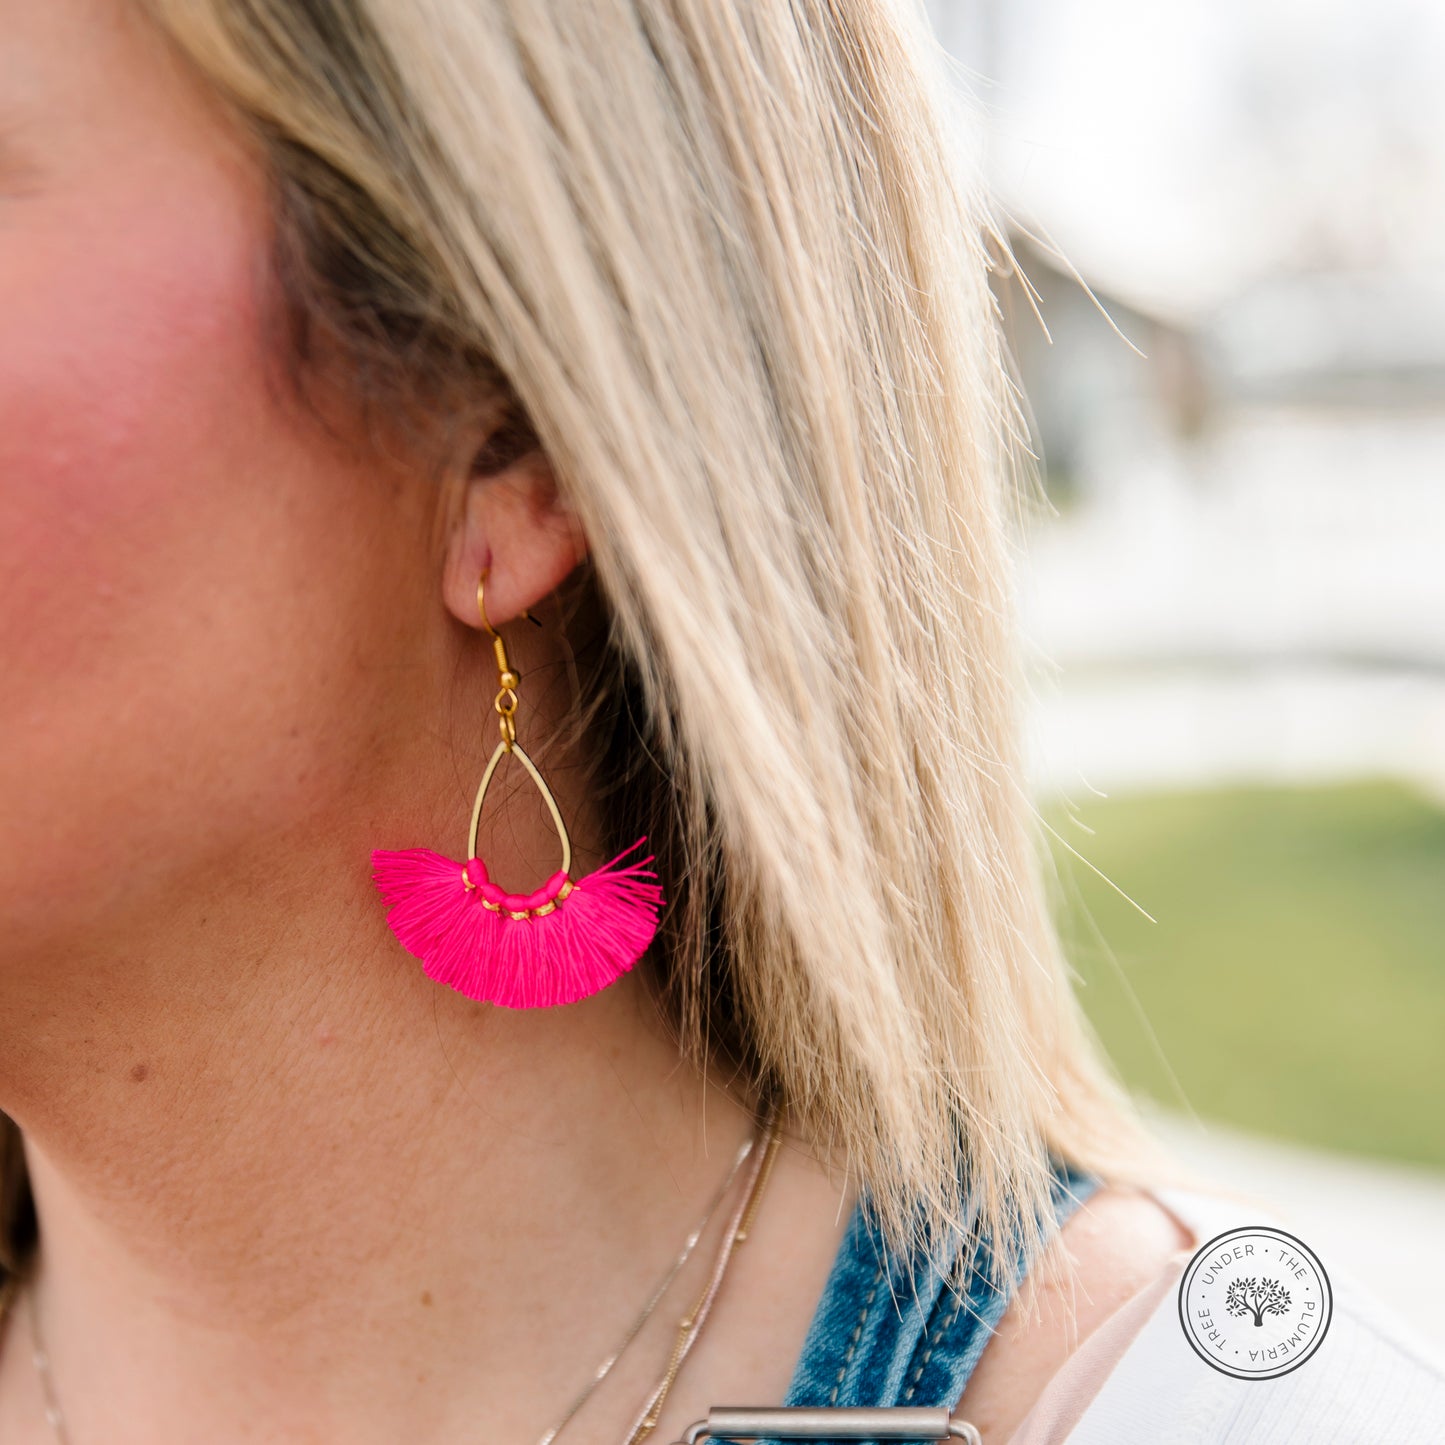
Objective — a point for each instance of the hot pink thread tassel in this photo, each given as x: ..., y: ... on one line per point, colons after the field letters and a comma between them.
x: 565, y: 942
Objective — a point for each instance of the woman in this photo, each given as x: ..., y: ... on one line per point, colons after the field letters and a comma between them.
x: 668, y: 322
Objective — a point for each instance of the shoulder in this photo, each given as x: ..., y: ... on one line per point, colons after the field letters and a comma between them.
x: 1114, y: 1245
x: 1369, y: 1380
x: 1139, y: 1379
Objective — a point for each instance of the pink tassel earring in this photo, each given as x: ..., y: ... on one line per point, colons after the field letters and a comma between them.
x: 564, y: 942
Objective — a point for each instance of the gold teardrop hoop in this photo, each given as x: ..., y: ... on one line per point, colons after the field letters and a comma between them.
x: 516, y: 751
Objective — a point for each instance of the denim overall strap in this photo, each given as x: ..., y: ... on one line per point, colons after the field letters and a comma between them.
x: 887, y: 1332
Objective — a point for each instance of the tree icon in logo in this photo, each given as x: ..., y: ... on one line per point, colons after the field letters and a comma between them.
x: 1257, y: 1297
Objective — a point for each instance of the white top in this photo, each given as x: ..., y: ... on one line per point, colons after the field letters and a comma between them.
x: 1137, y: 1381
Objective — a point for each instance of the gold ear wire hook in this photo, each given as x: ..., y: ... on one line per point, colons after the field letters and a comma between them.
x: 482, y: 605
x: 506, y: 706
x: 508, y: 678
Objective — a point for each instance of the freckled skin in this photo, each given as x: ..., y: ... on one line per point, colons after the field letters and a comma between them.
x: 203, y: 597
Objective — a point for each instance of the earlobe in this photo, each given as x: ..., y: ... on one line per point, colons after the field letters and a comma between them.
x: 515, y: 525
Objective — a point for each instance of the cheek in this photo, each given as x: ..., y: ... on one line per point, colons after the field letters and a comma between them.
x: 186, y: 566
x: 93, y: 478
x: 127, y: 319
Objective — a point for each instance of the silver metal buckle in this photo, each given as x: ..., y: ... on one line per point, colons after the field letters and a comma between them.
x: 749, y: 1422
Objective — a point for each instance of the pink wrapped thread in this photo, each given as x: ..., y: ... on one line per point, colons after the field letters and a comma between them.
x: 572, y: 938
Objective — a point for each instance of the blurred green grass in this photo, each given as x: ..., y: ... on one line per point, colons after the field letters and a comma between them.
x: 1294, y: 981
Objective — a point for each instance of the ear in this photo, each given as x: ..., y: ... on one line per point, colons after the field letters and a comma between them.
x: 514, y: 522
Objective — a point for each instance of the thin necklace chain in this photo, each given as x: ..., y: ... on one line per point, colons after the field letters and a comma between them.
x: 605, y: 1368
x: 688, y: 1329
x: 41, y: 1356
x: 690, y: 1326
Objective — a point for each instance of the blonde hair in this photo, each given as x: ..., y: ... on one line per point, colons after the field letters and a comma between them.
x: 728, y: 263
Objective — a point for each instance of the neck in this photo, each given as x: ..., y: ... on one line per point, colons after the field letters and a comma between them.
x: 290, y: 1189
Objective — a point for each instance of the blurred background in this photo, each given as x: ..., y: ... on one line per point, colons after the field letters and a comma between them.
x: 1228, y: 214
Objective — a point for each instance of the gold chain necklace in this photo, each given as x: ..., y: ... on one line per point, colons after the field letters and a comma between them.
x: 689, y: 1327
